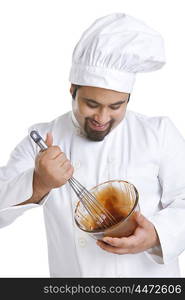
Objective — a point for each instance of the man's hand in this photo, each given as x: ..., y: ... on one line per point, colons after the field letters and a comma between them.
x: 144, y: 237
x: 52, y: 168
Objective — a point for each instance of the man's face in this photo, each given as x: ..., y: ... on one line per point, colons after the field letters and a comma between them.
x: 98, y: 110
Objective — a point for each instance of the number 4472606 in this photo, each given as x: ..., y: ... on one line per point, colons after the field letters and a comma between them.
x: 158, y: 289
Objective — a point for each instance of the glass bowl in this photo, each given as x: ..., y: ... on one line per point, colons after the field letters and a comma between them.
x: 121, y: 199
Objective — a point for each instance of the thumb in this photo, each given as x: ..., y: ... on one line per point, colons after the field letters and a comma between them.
x: 141, y: 220
x: 49, y: 139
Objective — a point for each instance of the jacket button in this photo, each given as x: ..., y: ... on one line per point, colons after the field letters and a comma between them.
x: 82, y: 242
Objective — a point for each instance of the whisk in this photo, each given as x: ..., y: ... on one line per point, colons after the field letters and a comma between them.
x: 100, y: 215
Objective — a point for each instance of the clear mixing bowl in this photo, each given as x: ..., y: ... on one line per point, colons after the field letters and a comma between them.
x: 121, y: 199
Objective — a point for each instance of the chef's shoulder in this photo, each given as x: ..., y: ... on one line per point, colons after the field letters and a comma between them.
x: 60, y: 127
x: 162, y: 127
x: 26, y: 149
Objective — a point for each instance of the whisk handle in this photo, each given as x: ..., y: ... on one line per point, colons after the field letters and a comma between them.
x: 38, y: 140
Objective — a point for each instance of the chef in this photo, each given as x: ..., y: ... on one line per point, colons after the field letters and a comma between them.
x: 98, y: 141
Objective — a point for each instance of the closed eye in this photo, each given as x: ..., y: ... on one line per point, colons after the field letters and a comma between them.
x: 91, y: 104
x: 117, y: 105
x: 114, y: 107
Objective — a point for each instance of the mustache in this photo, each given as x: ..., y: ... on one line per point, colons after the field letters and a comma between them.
x: 91, y: 119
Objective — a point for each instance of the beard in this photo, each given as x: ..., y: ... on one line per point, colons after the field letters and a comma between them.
x: 95, y: 135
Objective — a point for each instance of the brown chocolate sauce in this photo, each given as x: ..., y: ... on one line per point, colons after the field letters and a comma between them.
x: 116, y: 201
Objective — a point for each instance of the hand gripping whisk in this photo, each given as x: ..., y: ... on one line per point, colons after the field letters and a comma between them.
x: 100, y: 215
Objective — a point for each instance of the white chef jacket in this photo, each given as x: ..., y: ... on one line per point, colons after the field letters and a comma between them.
x: 146, y: 151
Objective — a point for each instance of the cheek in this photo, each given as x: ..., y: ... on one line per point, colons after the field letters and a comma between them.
x: 81, y: 112
x: 85, y: 111
x: 81, y: 109
x: 119, y: 115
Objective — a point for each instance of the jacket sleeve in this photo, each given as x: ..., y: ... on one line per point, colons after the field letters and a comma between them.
x: 169, y: 222
x: 16, y: 182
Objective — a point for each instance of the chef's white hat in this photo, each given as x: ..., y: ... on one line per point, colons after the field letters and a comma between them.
x: 112, y: 50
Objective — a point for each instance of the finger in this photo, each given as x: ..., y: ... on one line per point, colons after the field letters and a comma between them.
x: 125, y: 242
x: 67, y: 170
x: 60, y: 158
x: 49, y: 139
x: 69, y: 173
x: 111, y: 249
x: 66, y: 165
x: 141, y: 220
x: 115, y: 242
x: 52, y: 152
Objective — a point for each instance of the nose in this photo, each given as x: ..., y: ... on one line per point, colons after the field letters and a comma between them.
x: 102, y: 116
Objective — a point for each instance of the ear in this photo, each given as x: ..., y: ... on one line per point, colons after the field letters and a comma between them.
x: 72, y: 88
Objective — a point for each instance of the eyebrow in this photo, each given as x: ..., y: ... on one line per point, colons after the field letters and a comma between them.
x: 95, y: 102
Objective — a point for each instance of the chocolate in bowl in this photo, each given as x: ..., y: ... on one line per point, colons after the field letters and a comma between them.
x: 120, y: 198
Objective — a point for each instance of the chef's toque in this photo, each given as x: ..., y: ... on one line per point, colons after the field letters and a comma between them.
x: 112, y: 50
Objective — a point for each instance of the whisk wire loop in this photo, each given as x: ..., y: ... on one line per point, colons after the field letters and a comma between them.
x: 95, y: 209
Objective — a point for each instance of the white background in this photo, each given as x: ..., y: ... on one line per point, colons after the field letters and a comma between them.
x: 36, y: 43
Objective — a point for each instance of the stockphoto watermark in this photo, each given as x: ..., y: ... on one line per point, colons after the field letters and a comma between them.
x: 117, y: 289
x: 87, y: 289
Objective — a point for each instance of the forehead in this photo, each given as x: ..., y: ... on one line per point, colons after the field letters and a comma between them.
x: 101, y: 95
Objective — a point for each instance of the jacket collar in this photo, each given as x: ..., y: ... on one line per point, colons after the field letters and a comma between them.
x: 80, y: 131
